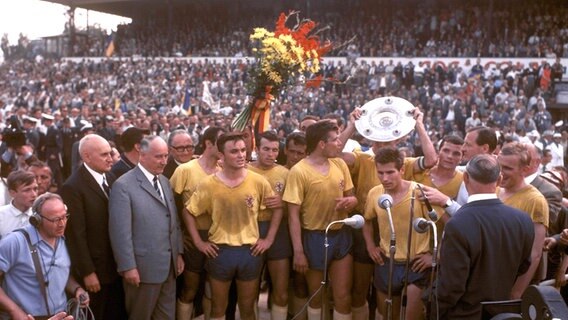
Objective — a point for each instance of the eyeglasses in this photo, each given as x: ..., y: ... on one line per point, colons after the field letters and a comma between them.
x: 56, y: 220
x: 184, y: 148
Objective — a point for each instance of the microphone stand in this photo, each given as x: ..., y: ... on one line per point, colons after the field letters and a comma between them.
x: 433, y: 271
x: 324, y: 280
x: 392, y: 251
x: 404, y: 297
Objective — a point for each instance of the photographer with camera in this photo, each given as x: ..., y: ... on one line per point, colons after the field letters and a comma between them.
x: 15, y: 153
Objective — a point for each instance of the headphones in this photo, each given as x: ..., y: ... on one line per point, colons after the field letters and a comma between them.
x: 36, y: 219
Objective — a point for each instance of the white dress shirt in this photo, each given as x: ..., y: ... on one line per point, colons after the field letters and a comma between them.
x: 11, y: 218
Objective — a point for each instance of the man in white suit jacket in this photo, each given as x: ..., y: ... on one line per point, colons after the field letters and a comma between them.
x: 145, y: 235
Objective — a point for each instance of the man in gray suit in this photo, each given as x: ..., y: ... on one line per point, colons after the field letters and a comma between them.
x: 145, y: 235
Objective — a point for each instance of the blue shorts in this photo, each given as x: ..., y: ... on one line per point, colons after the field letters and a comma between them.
x: 381, y: 280
x: 360, y: 253
x: 193, y: 258
x: 339, y: 246
x: 234, y: 262
x: 282, y: 246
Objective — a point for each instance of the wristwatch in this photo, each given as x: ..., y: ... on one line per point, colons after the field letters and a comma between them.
x: 447, y: 204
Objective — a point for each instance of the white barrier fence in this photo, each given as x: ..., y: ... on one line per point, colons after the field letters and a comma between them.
x: 445, y: 62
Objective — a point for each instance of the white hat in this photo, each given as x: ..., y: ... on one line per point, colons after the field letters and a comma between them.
x: 47, y: 116
x: 30, y: 119
x: 87, y: 126
x: 557, y: 135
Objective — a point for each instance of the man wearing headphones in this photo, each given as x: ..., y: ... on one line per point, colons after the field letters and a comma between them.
x: 25, y: 292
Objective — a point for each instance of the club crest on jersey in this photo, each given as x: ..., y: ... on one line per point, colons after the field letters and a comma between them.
x: 249, y: 201
x: 342, y: 184
x: 279, y: 187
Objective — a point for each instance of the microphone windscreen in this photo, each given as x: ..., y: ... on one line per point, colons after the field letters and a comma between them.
x: 385, y: 201
x: 420, y: 225
x: 359, y: 221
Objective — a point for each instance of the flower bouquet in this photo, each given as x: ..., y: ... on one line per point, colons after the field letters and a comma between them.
x: 281, y: 56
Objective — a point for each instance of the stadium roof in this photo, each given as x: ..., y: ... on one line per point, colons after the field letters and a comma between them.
x: 125, y: 8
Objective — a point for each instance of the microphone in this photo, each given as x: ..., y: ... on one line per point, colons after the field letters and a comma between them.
x: 355, y: 221
x: 431, y: 212
x: 420, y: 225
x: 385, y: 201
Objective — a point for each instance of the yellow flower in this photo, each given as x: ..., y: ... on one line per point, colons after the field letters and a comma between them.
x: 287, y: 39
x: 260, y: 33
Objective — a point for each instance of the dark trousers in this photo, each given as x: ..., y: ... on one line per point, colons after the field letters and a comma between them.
x: 108, y: 303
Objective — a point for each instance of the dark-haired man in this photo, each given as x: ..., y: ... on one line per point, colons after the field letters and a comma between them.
x: 130, y: 142
x: 306, y: 122
x: 390, y: 171
x: 184, y: 181
x: 472, y: 268
x: 278, y: 255
x: 295, y: 149
x: 363, y: 170
x: 43, y: 175
x: 234, y: 247
x: 478, y: 140
x: 311, y: 184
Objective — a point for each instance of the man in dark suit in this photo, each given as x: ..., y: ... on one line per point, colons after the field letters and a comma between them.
x: 181, y: 149
x: 130, y: 145
x: 485, y: 246
x: 53, y: 148
x: 146, y: 236
x: 86, y: 195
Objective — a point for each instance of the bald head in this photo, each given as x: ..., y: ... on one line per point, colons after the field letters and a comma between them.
x: 536, y: 157
x: 95, y: 152
x: 484, y: 169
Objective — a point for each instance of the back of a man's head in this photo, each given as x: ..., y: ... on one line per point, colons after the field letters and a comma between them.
x: 131, y: 137
x: 484, y: 169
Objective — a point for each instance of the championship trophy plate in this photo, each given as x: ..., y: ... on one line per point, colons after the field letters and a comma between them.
x: 386, y: 119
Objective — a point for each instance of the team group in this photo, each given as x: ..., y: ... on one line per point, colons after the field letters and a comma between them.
x: 128, y: 238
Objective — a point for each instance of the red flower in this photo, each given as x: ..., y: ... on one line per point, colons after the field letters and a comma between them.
x: 281, y: 25
x: 314, y: 82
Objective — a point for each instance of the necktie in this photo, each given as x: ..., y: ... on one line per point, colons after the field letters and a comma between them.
x: 156, y: 186
x: 106, y: 188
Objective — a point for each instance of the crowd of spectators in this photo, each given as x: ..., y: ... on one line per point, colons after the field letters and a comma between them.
x: 149, y: 93
x: 367, y: 28
x: 413, y: 28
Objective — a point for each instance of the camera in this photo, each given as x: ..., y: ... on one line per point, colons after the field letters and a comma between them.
x: 14, y: 135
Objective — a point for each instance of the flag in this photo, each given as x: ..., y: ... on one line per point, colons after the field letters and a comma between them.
x: 208, y: 98
x: 109, y: 48
x: 186, y: 101
x: 117, y: 104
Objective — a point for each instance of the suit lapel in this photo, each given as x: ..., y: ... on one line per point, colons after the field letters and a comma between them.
x: 145, y: 184
x: 537, y: 182
x: 92, y: 183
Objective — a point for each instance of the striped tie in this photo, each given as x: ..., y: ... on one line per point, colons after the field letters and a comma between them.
x: 157, y: 187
